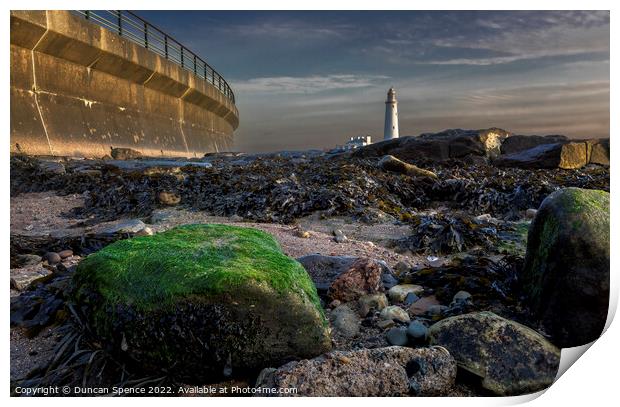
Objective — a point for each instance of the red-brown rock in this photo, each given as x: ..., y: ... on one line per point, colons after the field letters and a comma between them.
x: 362, y: 277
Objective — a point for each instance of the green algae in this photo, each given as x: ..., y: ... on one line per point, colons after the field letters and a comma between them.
x: 197, y: 261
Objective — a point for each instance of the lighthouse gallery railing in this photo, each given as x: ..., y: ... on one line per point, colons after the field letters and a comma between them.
x: 129, y: 25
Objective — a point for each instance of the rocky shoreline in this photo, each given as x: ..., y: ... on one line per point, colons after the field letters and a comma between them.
x: 417, y: 266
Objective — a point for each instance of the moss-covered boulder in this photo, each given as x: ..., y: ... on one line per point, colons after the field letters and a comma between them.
x: 202, y: 301
x: 566, y: 271
x: 510, y: 358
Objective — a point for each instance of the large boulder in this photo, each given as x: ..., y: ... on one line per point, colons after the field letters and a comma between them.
x: 598, y: 152
x: 572, y: 155
x: 566, y: 270
x: 202, y: 301
x: 510, y: 358
x: 517, y: 143
x: 483, y: 142
x: 391, y: 371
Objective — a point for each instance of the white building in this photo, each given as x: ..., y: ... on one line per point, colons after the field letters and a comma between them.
x: 390, y: 130
x: 357, y: 142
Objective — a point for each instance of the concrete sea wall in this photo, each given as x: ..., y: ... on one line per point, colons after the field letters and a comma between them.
x: 78, y: 89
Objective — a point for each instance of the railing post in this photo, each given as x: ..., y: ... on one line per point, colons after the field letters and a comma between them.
x: 212, y: 76
x: 195, y: 64
x: 120, y: 19
x: 87, y: 13
x: 205, y: 71
x: 182, y: 56
x: 146, y: 35
x: 166, y: 46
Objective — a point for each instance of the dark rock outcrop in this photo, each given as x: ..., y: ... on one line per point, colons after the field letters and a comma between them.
x: 511, y: 359
x: 391, y: 371
x: 517, y: 143
x: 442, y: 146
x: 571, y: 155
x: 566, y: 271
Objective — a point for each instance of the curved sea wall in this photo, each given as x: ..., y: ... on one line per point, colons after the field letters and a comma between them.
x: 78, y: 89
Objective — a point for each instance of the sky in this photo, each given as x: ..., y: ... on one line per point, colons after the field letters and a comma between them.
x: 313, y: 79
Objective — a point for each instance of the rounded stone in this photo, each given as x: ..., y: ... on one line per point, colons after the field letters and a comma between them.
x: 52, y: 257
x: 65, y: 253
x: 398, y: 293
x: 397, y: 336
x: 417, y: 330
x: 461, y: 296
x: 394, y: 313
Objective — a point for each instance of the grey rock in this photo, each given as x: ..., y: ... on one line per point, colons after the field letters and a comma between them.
x: 323, y: 270
x: 511, y: 358
x: 125, y: 226
x: 370, y: 302
x: 410, y: 299
x: 397, y: 336
x: 417, y: 331
x: 394, y: 313
x: 24, y: 260
x: 381, y: 372
x: 345, y: 321
x: 339, y: 237
x: 52, y: 258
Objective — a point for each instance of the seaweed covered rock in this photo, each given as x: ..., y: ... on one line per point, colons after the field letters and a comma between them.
x: 566, y: 271
x: 202, y: 301
x: 391, y: 371
x: 510, y: 358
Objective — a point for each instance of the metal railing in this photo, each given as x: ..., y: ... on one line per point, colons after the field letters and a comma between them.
x: 128, y: 25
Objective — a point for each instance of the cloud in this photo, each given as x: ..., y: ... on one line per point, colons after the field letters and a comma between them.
x: 307, y: 84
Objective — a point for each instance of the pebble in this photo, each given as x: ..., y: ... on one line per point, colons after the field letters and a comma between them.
x: 236, y: 218
x: 52, y: 258
x: 389, y: 281
x: 371, y: 302
x: 397, y: 336
x: 385, y: 323
x: 461, y: 296
x: 147, y: 231
x: 168, y: 198
x: 304, y: 234
x: 398, y: 293
x: 436, y: 310
x: 65, y: 253
x: 339, y: 237
x: 417, y: 330
x: 402, y: 268
x: 410, y: 299
x: 394, y: 313
x: 422, y: 305
x: 531, y: 213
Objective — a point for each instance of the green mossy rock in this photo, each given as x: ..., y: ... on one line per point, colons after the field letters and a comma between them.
x: 202, y: 302
x: 510, y: 358
x: 566, y: 271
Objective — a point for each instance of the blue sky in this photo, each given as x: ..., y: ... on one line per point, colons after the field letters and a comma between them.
x: 313, y: 79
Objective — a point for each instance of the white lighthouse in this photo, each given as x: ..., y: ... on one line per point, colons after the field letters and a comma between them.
x: 390, y: 130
